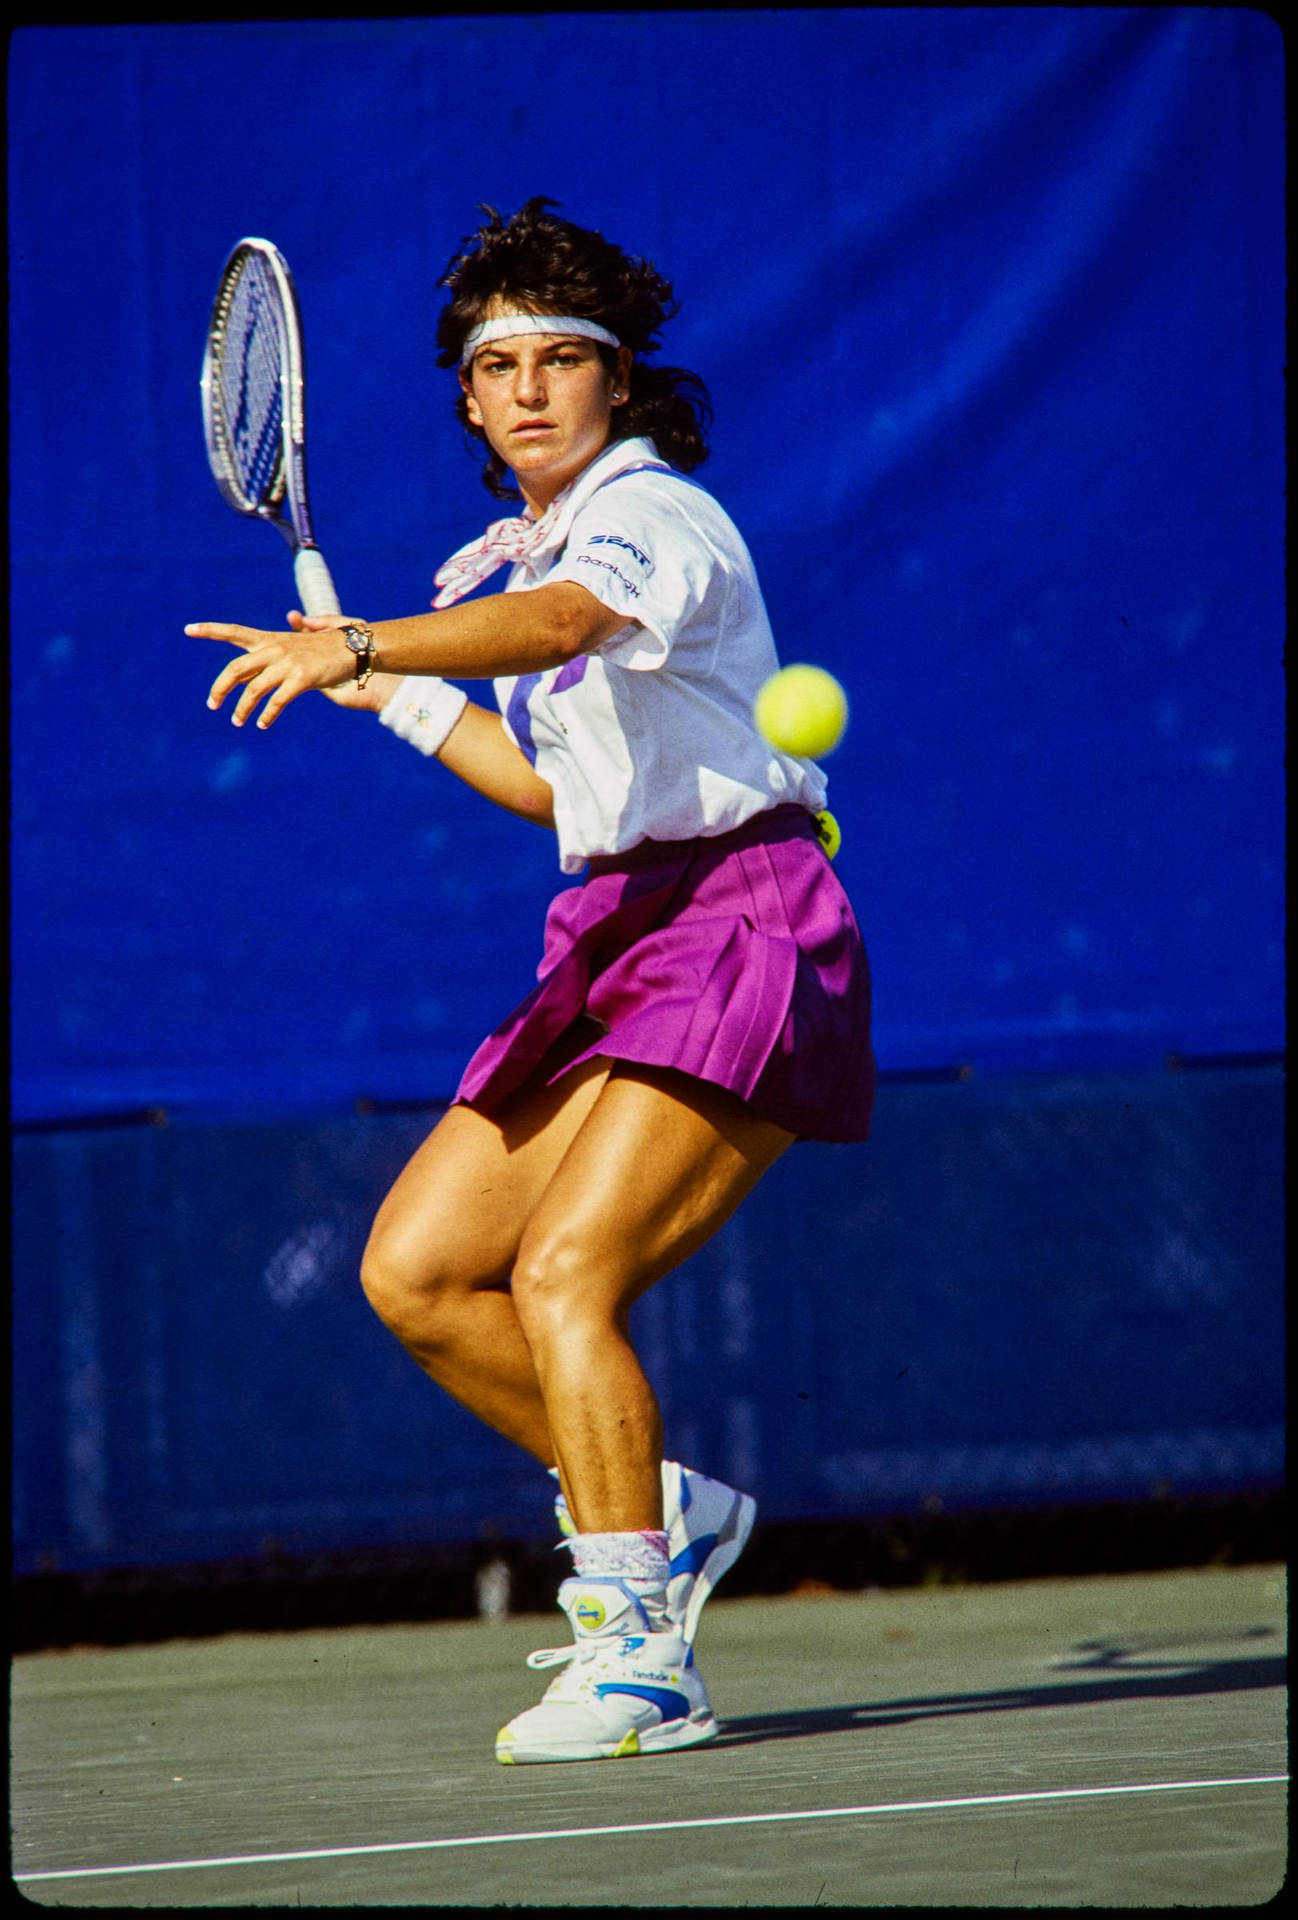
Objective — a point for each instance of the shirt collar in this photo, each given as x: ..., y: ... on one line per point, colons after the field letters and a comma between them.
x: 621, y: 457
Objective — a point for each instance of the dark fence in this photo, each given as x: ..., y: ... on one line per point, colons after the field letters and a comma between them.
x: 1022, y: 1293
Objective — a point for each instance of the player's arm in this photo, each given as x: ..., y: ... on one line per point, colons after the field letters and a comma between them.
x: 508, y: 633
x: 477, y: 749
x: 481, y: 753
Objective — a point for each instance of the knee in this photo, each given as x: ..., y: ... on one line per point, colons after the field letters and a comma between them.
x: 406, y: 1287
x: 558, y: 1287
x: 386, y: 1279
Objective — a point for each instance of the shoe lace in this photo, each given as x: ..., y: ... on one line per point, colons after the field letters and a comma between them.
x: 555, y: 1656
x: 579, y: 1664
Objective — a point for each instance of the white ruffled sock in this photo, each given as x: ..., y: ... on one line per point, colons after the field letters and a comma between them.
x: 640, y: 1560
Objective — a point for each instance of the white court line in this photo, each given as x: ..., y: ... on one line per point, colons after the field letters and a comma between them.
x: 658, y: 1826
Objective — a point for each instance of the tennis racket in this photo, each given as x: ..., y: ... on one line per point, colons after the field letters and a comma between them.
x: 254, y: 408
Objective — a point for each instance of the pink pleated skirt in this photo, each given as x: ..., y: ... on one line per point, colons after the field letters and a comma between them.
x: 736, y: 959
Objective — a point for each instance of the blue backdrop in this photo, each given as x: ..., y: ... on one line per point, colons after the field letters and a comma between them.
x: 991, y: 305
x: 990, y: 302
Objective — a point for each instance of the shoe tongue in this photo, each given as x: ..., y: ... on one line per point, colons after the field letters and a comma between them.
x: 600, y: 1607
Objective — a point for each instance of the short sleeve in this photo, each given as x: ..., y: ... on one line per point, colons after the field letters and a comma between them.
x: 641, y: 557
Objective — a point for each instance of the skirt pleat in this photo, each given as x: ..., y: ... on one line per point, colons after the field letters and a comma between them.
x: 736, y: 959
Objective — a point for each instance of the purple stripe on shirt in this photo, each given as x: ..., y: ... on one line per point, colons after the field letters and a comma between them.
x: 519, y: 716
x: 519, y: 713
x: 572, y: 675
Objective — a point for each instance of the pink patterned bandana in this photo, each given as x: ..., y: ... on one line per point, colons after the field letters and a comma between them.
x: 505, y: 541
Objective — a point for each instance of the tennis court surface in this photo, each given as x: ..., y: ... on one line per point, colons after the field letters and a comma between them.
x: 1108, y: 1741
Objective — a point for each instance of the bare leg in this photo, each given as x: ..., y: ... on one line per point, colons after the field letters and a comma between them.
x: 507, y: 1257
x: 438, y: 1264
x: 659, y: 1163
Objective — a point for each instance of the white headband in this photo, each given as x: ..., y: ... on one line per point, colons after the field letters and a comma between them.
x: 510, y: 324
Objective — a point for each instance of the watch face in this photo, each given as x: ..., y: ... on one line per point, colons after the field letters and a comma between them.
x: 356, y: 640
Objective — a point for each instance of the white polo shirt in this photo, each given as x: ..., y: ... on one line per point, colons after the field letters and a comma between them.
x: 651, y: 736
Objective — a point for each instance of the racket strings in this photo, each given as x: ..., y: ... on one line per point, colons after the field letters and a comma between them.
x: 249, y: 387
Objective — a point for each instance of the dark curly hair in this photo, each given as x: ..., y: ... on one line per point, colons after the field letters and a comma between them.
x: 547, y: 265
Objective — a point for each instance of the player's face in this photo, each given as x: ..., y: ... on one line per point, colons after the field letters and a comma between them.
x: 546, y: 406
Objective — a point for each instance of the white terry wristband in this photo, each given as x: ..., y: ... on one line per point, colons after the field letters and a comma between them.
x: 423, y: 710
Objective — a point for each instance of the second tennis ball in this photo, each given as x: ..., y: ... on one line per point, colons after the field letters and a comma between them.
x: 802, y: 710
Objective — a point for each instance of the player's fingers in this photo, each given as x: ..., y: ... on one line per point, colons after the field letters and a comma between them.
x: 270, y: 678
x: 318, y: 622
x: 219, y: 630
x: 286, y: 691
x: 238, y: 671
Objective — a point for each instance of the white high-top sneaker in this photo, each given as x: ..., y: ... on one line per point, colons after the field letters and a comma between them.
x: 626, y: 1689
x: 707, y: 1524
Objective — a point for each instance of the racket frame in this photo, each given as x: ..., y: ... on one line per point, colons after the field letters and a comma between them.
x: 287, y: 485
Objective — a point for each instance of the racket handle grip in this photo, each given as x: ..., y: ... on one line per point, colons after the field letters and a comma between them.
x: 314, y: 582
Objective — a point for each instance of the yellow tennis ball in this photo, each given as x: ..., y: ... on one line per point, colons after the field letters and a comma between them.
x: 801, y: 710
x: 828, y: 832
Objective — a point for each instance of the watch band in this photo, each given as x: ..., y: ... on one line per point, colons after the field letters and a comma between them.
x: 360, y: 639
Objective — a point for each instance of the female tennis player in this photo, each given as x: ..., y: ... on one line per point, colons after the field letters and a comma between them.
x: 703, y: 999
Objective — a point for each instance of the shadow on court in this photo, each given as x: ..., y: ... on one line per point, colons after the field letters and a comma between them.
x: 1129, y: 1674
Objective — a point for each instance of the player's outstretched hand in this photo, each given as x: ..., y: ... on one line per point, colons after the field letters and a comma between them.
x: 367, y: 699
x: 277, y: 667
